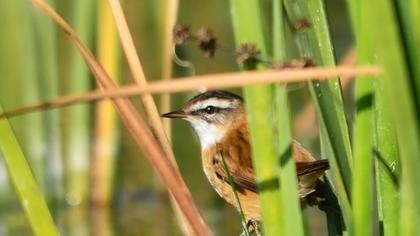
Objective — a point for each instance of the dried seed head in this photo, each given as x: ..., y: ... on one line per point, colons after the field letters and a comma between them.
x: 181, y: 34
x: 302, y: 24
x: 247, y: 54
x: 207, y: 41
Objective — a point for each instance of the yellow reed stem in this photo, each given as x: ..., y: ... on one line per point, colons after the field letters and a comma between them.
x: 102, y: 171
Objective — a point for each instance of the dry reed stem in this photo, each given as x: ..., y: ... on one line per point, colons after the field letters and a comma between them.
x: 203, y: 82
x: 170, y: 21
x: 138, y: 128
x: 139, y: 77
x: 147, y: 99
x: 169, y: 14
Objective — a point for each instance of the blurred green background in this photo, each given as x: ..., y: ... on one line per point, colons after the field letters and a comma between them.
x: 38, y: 63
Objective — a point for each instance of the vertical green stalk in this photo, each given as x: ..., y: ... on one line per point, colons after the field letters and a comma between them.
x: 258, y: 106
x: 409, y: 13
x: 76, y: 119
x: 25, y: 184
x: 389, y: 50
x: 387, y: 164
x: 19, y: 85
x: 247, y: 29
x: 363, y: 187
x: 313, y: 41
x: 49, y: 85
x: 287, y: 175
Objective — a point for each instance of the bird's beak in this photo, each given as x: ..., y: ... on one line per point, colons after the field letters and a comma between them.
x: 175, y: 114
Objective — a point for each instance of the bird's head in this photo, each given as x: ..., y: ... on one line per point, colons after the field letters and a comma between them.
x: 212, y: 114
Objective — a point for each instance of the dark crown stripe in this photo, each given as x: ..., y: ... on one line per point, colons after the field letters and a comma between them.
x: 215, y: 94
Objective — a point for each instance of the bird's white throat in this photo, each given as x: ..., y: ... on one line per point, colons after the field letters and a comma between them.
x: 209, y: 134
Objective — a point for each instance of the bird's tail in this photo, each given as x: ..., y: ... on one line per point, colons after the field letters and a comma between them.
x: 305, y: 168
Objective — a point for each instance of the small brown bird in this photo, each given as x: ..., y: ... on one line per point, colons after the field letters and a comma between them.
x: 219, y: 119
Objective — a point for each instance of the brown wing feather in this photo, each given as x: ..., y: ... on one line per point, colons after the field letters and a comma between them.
x: 237, y: 156
x: 304, y: 168
x: 309, y: 174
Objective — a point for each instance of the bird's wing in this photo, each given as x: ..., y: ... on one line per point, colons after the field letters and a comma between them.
x: 306, y: 168
x: 237, y: 155
x: 243, y: 177
x: 308, y: 175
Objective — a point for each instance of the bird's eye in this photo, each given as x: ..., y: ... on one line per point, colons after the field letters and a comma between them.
x: 210, y: 109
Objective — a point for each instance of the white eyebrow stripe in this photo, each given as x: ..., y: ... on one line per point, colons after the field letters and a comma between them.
x: 213, y: 102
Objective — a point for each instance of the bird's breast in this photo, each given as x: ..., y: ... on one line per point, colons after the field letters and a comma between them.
x: 248, y: 199
x: 218, y: 183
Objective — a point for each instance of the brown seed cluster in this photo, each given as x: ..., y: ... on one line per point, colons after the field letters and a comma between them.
x: 207, y: 41
x: 181, y: 34
x: 247, y: 53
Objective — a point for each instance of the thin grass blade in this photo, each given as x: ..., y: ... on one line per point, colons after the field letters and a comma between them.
x: 24, y: 182
x: 235, y: 195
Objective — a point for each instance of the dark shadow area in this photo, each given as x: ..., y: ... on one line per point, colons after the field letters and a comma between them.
x: 286, y: 156
x: 268, y: 184
x: 387, y: 167
x: 330, y: 206
x: 364, y: 102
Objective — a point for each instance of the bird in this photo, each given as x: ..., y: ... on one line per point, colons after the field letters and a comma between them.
x: 219, y: 120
